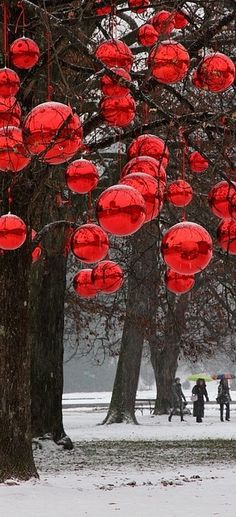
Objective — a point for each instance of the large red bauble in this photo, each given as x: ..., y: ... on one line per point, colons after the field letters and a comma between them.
x: 115, y: 53
x: 102, y: 11
x: 81, y: 176
x: 121, y: 210
x: 177, y: 283
x: 163, y: 22
x: 24, y: 53
x: 111, y: 87
x: 147, y: 35
x: 52, y: 131
x: 138, y: 6
x: 187, y: 248
x: 169, y: 62
x: 89, y: 243
x: 36, y: 253
x: 118, y: 111
x: 180, y: 20
x: 216, y: 72
x: 149, y: 188
x: 13, y: 154
x: 13, y: 232
x: 149, y: 145
x: 10, y: 112
x: 226, y: 236
x: 9, y: 82
x: 83, y: 284
x: 147, y: 165
x: 179, y: 193
x: 197, y: 162
x: 108, y: 276
x: 219, y: 199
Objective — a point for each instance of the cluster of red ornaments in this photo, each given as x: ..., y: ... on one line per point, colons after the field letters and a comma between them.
x: 222, y: 201
x: 161, y: 24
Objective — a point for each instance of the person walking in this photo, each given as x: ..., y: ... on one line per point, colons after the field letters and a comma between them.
x: 224, y: 399
x: 199, y: 391
x: 178, y: 399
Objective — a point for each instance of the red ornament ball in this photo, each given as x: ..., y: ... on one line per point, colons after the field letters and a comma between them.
x: 115, y: 53
x: 118, y: 111
x: 111, y: 87
x: 163, y: 22
x: 177, y: 283
x: 149, y: 145
x: 24, y: 53
x: 180, y: 20
x: 147, y: 35
x: 226, y: 236
x: 9, y: 82
x: 147, y: 165
x: 102, y: 11
x: 83, y: 284
x: 149, y: 188
x: 179, y: 193
x: 220, y: 197
x: 169, y: 62
x: 216, y: 72
x: 197, y: 163
x: 196, y: 80
x: 13, y: 232
x: 81, y: 176
x: 187, y: 248
x: 121, y: 210
x: 89, y: 243
x: 52, y: 131
x: 138, y: 6
x: 36, y: 253
x: 13, y: 154
x: 108, y: 276
x: 10, y: 112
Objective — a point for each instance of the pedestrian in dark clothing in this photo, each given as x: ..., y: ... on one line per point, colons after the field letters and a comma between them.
x: 199, y: 391
x: 224, y: 399
x: 178, y: 398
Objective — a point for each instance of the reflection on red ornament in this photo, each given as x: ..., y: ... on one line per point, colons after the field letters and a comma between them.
x: 151, y: 191
x: 177, y: 283
x: 115, y: 53
x: 13, y: 155
x: 149, y: 145
x: 180, y: 20
x: 220, y: 197
x: 169, y: 62
x: 226, y: 236
x: 9, y: 82
x: 83, y: 284
x: 118, y: 111
x: 197, y: 162
x: 121, y: 210
x: 52, y: 131
x: 163, y: 22
x: 108, y: 276
x: 216, y: 72
x: 138, y: 6
x: 145, y: 164
x: 81, y: 176
x: 13, y: 232
x: 147, y: 35
x: 105, y: 9
x: 10, y: 112
x: 187, y: 248
x: 179, y: 193
x: 36, y: 253
x: 89, y: 243
x: 111, y: 87
x: 24, y: 53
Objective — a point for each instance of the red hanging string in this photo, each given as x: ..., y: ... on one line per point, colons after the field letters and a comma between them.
x: 5, y: 33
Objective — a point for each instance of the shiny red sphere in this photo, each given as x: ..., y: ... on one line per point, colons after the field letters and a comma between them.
x: 163, y: 22
x: 81, y: 176
x: 149, y: 145
x: 216, y: 72
x: 197, y: 163
x: 37, y: 252
x: 187, y: 248
x: 147, y: 35
x: 177, y: 283
x: 226, y: 236
x: 9, y: 82
x: 219, y: 199
x: 52, y: 131
x: 13, y: 154
x: 180, y: 20
x: 89, y: 243
x: 24, y: 53
x: 108, y: 276
x: 115, y: 53
x: 118, y: 111
x: 169, y: 62
x: 13, y: 232
x: 138, y: 6
x: 83, y: 284
x: 149, y: 188
x: 10, y: 112
x: 111, y: 87
x: 121, y: 210
x: 102, y: 11
x: 179, y: 193
x: 147, y: 165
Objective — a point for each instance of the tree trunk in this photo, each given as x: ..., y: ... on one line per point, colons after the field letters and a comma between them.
x: 164, y: 363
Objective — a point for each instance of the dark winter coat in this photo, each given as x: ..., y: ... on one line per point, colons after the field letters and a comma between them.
x: 177, y: 393
x: 223, y: 394
x: 198, y: 405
